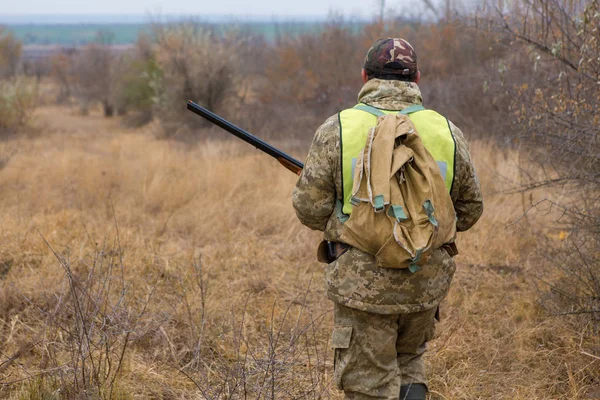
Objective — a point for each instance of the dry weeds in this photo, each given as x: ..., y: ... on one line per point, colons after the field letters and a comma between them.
x: 191, y: 260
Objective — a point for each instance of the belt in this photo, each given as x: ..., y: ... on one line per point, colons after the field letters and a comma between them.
x: 336, y: 249
x: 451, y: 249
x: 328, y: 252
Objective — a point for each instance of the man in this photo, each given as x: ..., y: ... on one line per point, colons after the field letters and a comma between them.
x: 383, y: 317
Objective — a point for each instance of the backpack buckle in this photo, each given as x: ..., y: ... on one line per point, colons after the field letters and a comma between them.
x: 378, y: 203
x: 397, y: 212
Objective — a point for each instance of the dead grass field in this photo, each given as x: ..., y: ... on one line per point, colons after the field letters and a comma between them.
x: 190, y: 258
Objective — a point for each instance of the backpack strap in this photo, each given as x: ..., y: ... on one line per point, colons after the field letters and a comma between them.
x: 412, y: 109
x: 378, y: 113
x: 339, y: 213
x: 370, y: 109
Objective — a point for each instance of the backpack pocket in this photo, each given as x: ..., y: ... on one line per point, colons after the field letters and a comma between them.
x: 388, y: 255
x: 408, y: 246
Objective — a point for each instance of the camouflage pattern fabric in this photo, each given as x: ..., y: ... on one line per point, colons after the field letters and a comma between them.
x: 354, y: 279
x: 376, y: 353
x: 383, y: 316
x: 391, y: 56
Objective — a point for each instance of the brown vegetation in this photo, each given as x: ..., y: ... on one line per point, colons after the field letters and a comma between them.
x: 18, y: 94
x: 10, y: 53
x: 95, y: 75
x: 17, y: 102
x: 135, y: 267
x: 192, y: 261
x: 556, y: 116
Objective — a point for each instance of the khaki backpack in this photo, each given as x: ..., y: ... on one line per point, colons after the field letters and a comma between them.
x: 401, y: 208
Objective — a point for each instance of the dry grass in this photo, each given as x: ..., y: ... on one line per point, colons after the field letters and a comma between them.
x: 215, y: 287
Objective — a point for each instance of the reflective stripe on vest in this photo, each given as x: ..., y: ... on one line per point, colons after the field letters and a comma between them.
x: 432, y: 127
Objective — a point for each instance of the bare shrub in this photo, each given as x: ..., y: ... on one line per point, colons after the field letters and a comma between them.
x: 196, y: 65
x: 94, y: 73
x: 140, y: 82
x: 557, y: 121
x: 285, y: 358
x: 37, y: 68
x: 97, y: 322
x: 321, y: 71
x: 18, y: 95
x: 63, y: 71
x: 576, y: 291
x: 10, y: 53
x: 316, y: 70
x: 88, y: 328
x: 18, y: 98
x: 456, y: 62
x: 284, y: 362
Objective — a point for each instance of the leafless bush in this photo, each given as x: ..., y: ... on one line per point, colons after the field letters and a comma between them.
x: 287, y: 360
x: 97, y: 323
x: 316, y: 70
x: 18, y: 95
x: 576, y: 294
x: 139, y: 82
x: 10, y: 53
x: 95, y: 75
x: 225, y: 358
x: 196, y: 65
x: 38, y: 68
x: 88, y: 328
x: 320, y: 72
x: 557, y: 120
x: 18, y: 98
x: 63, y: 71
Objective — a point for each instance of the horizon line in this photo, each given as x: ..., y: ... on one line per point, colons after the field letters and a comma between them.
x: 140, y: 18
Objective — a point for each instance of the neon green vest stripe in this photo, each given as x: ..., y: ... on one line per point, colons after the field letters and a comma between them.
x: 433, y: 129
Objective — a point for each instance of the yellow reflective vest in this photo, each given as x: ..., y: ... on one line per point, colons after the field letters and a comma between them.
x: 433, y: 128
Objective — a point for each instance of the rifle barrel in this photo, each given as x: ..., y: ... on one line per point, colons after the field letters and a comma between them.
x: 287, y: 161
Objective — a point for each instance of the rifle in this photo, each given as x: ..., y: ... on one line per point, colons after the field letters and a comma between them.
x: 289, y: 162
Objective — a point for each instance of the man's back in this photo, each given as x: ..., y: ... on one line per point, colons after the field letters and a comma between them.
x: 383, y: 317
x: 318, y: 193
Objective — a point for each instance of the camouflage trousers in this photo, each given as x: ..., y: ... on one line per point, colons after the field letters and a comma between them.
x: 376, y: 353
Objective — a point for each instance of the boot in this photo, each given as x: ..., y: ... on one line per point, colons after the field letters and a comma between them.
x: 413, y: 391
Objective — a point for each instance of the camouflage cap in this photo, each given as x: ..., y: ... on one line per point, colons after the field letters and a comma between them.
x: 391, y: 56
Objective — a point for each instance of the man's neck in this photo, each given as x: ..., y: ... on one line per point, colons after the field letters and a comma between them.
x: 390, y: 94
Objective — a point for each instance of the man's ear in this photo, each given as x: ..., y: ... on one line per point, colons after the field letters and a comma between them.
x: 363, y: 74
x: 418, y: 78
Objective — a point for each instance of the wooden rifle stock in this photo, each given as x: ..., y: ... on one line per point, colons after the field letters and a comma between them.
x: 287, y: 161
x: 292, y: 167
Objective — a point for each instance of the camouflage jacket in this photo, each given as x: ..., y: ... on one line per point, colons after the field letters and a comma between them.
x: 353, y: 279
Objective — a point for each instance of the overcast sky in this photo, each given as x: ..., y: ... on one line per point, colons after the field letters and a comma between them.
x: 263, y: 8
